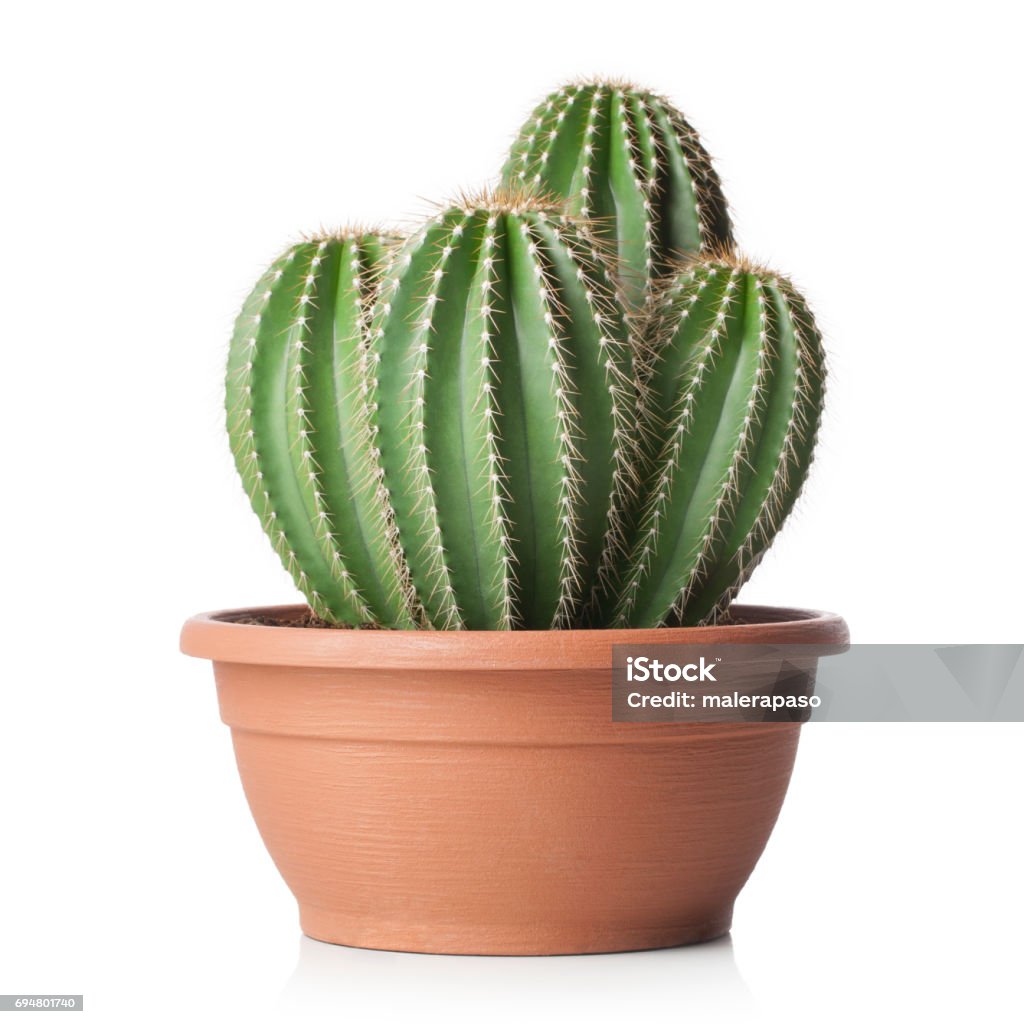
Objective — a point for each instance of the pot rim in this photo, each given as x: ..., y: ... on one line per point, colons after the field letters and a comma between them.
x: 219, y: 637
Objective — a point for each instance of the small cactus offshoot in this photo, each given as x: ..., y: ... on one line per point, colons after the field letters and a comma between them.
x: 629, y: 161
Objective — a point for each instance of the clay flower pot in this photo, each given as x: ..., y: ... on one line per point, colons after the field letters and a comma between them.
x: 467, y: 792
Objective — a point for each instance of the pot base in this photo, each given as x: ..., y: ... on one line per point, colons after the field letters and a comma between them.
x: 502, y: 940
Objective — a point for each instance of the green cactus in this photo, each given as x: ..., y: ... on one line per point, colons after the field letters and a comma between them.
x: 629, y: 161
x: 480, y: 442
x: 736, y: 388
x: 300, y: 429
x: 504, y: 393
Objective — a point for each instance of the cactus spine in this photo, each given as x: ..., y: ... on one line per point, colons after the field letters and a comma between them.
x: 631, y: 163
x: 738, y: 372
x: 300, y: 430
x: 505, y: 398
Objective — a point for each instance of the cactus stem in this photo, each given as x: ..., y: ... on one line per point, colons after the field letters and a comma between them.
x: 625, y: 159
x: 743, y: 451
x: 298, y: 428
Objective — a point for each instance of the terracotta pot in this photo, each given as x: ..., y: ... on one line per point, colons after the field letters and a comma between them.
x: 468, y: 792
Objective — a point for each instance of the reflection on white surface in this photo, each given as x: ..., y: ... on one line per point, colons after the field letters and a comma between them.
x: 335, y: 981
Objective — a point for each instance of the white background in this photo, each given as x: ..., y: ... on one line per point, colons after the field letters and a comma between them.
x: 157, y: 156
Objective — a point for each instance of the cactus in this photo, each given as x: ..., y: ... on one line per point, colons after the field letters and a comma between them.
x: 300, y: 430
x: 737, y: 377
x: 629, y: 161
x: 504, y: 394
x: 489, y: 427
x: 479, y: 443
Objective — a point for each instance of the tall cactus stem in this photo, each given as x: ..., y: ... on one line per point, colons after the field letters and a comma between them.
x: 504, y: 486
